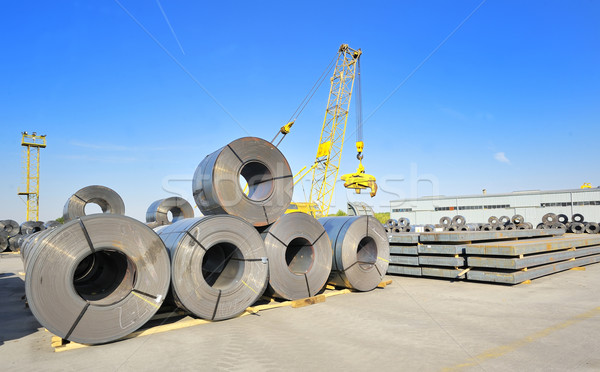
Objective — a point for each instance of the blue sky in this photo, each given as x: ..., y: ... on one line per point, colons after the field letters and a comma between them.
x: 508, y: 102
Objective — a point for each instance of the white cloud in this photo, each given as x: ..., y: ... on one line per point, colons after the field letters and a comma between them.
x: 501, y: 157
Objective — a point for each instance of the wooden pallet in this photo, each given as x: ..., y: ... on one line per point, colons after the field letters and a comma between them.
x: 184, y: 321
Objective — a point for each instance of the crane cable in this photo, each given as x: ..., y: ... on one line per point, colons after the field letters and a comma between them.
x: 309, y: 96
x: 358, y: 108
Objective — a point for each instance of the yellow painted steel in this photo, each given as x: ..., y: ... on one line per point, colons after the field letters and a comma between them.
x: 331, y: 142
x: 32, y: 143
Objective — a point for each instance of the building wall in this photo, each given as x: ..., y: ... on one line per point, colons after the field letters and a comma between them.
x: 478, y: 208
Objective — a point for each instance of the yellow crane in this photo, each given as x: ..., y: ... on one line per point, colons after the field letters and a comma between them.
x: 32, y: 143
x: 325, y: 169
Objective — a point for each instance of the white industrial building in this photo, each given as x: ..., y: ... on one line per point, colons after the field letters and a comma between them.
x: 478, y: 208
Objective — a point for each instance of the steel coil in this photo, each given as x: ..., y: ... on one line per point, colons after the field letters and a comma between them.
x: 108, y: 200
x: 504, y: 220
x: 300, y: 256
x: 31, y: 227
x: 158, y: 212
x: 563, y: 218
x: 52, y: 224
x: 452, y: 228
x: 493, y: 220
x: 360, y: 251
x: 13, y: 242
x: 517, y: 219
x: 540, y: 226
x: 3, y: 241
x: 592, y: 228
x: 429, y: 228
x: 96, y: 279
x: 510, y: 226
x: 391, y: 223
x: 219, y: 265
x: 216, y: 184
x: 549, y: 219
x: 403, y: 222
x: 558, y: 225
x: 498, y: 227
x: 10, y: 227
x: 578, y: 217
x: 459, y: 220
x: 577, y: 227
x: 445, y: 221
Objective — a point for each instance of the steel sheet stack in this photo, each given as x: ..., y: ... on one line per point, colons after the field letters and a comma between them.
x: 404, y: 253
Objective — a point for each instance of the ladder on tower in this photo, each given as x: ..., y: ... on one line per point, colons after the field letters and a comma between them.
x: 32, y: 143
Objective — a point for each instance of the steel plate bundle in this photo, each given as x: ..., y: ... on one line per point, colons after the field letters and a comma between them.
x: 108, y: 200
x: 97, y: 278
x: 299, y: 252
x: 360, y: 251
x: 216, y: 182
x: 158, y: 211
x: 219, y: 265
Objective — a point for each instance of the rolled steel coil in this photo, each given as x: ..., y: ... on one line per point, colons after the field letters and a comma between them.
x: 445, y: 221
x: 31, y: 227
x: 592, y: 228
x: 493, y: 220
x: 391, y: 223
x: 108, y: 200
x: 510, y: 226
x: 498, y: 227
x: 429, y: 228
x: 216, y: 184
x: 458, y: 220
x: 52, y: 224
x: 158, y: 211
x: 3, y: 241
x: 540, y: 226
x: 504, y: 220
x: 10, y: 227
x: 563, y: 218
x: 577, y: 227
x: 559, y: 225
x: 578, y: 217
x: 13, y: 242
x: 397, y: 230
x: 452, y: 228
x: 403, y: 222
x: 96, y: 279
x: 300, y: 256
x: 361, y: 251
x: 487, y: 227
x: 529, y: 225
x: 219, y: 265
x: 517, y: 219
x: 549, y: 219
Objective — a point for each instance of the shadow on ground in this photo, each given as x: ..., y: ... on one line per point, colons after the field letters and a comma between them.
x: 16, y: 320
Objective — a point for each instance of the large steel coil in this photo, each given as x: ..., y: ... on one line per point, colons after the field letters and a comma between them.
x: 158, y: 212
x: 498, y: 227
x: 510, y: 226
x: 445, y: 221
x: 577, y: 217
x: 487, y: 227
x: 300, y: 256
x: 549, y: 219
x: 360, y: 251
x: 403, y: 222
x: 493, y: 220
x: 504, y: 220
x: 216, y: 184
x: 219, y: 265
x: 97, y: 278
x: 3, y: 241
x: 13, y: 242
x: 10, y: 227
x: 429, y: 228
x: 31, y: 227
x: 469, y: 227
x: 459, y: 220
x: 540, y: 226
x: 452, y: 228
x: 563, y: 218
x: 577, y: 227
x: 592, y: 228
x: 391, y: 223
x: 558, y: 225
x: 517, y: 219
x: 108, y: 200
x: 52, y: 224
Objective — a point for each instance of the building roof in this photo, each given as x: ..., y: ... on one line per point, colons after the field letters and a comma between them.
x: 514, y: 193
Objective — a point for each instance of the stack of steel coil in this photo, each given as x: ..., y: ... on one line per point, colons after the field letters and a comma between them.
x: 577, y: 225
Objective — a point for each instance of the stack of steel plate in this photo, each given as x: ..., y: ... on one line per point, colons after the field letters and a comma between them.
x: 517, y: 261
x: 404, y: 250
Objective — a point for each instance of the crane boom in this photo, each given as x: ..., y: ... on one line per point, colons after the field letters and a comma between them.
x: 331, y: 143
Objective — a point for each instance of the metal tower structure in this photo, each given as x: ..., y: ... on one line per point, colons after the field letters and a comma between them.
x: 32, y: 143
x: 331, y: 143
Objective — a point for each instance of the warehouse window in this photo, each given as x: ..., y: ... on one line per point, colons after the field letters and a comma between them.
x: 402, y: 210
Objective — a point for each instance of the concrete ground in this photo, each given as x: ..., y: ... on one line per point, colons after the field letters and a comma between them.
x: 413, y: 324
